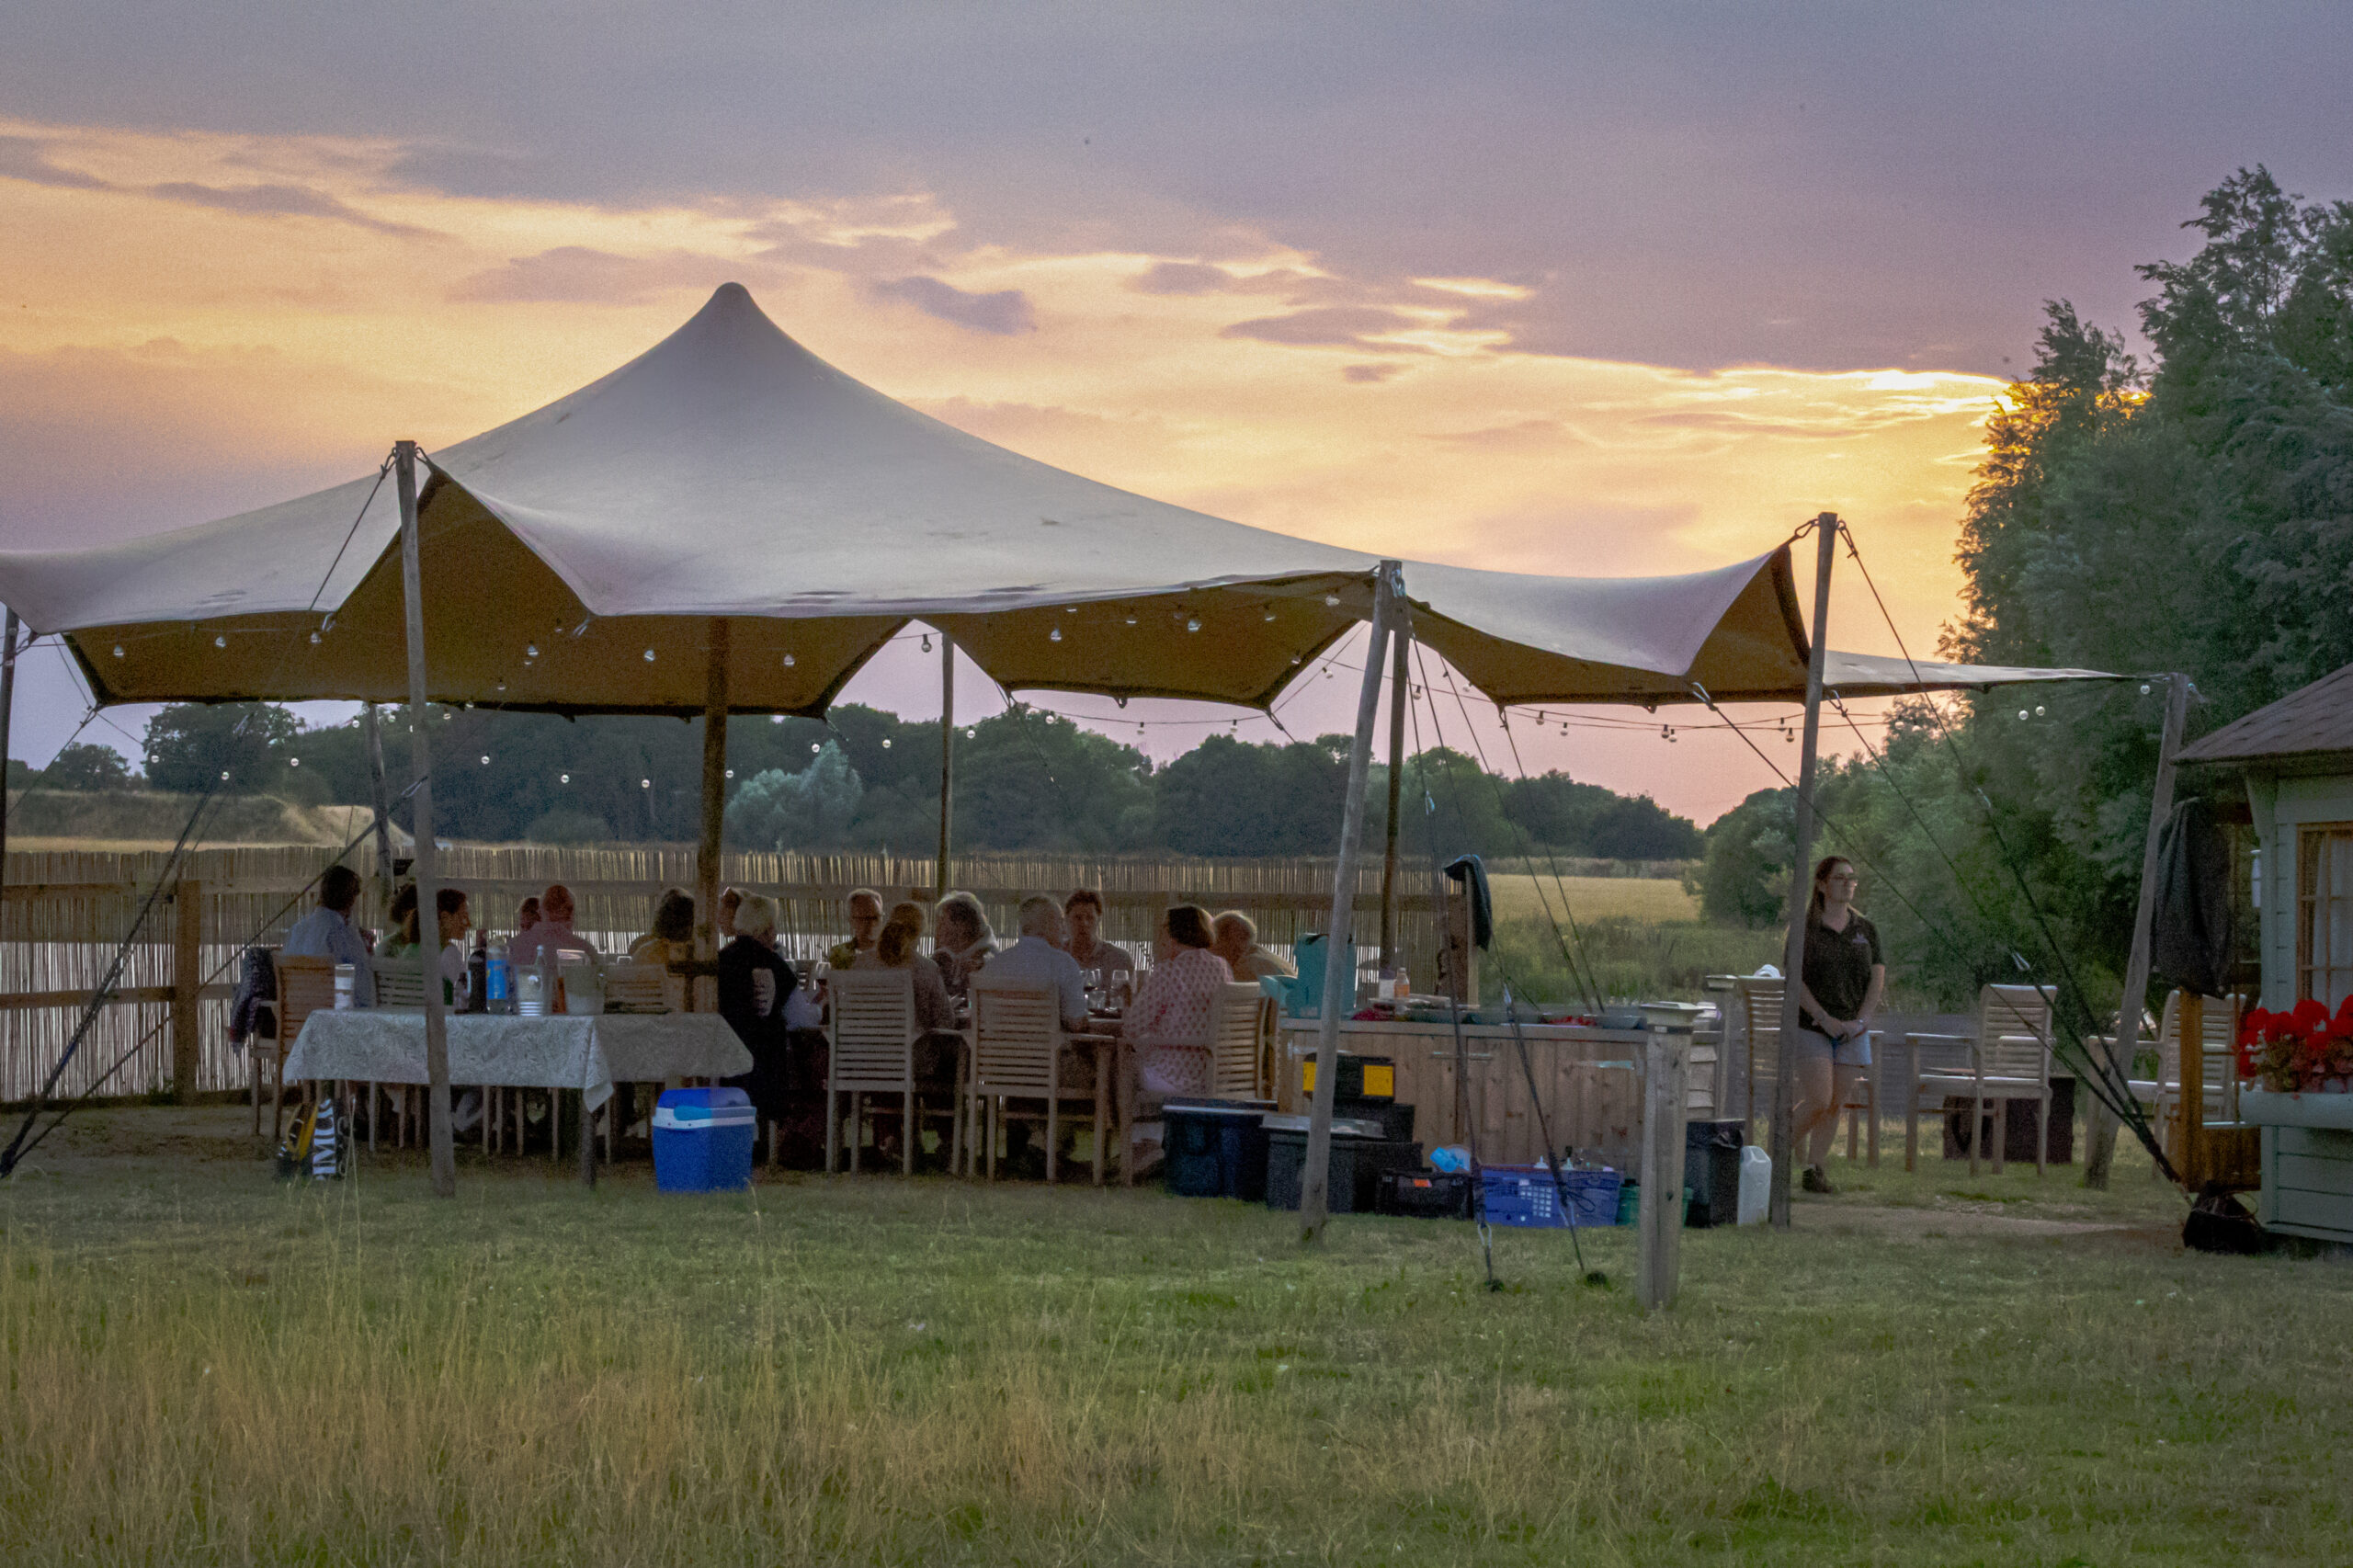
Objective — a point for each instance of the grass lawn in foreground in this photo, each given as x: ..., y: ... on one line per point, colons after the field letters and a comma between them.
x: 203, y: 1366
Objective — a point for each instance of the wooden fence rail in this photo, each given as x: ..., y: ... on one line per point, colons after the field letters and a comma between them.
x: 163, y: 1026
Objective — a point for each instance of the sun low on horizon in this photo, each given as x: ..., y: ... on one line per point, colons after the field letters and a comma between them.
x: 1502, y: 357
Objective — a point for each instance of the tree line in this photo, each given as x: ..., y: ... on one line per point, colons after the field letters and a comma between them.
x: 865, y: 779
x: 2194, y: 514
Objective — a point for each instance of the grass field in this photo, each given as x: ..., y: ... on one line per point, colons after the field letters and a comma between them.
x: 1522, y: 897
x: 204, y: 1367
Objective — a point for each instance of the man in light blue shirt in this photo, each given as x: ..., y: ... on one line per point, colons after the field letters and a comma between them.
x: 1038, y: 958
x: 327, y: 932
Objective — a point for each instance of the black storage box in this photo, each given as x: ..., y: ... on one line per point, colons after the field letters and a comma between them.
x: 1215, y: 1148
x: 1712, y: 1172
x: 1360, y: 1078
x: 1425, y: 1195
x: 1359, y: 1156
x: 1396, y: 1120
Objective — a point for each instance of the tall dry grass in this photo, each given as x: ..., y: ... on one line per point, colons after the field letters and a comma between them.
x: 200, y: 1368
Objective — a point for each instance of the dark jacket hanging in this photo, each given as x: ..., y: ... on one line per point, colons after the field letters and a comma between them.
x: 2192, y: 937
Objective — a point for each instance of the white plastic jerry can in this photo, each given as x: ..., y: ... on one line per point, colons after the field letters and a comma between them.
x: 1755, y: 1184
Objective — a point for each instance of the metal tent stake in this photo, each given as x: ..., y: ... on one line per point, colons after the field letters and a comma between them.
x: 1826, y: 528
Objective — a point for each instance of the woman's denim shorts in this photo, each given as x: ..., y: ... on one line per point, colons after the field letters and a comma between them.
x: 1812, y: 1047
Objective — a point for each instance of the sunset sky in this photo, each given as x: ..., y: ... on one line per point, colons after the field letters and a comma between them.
x: 1597, y: 290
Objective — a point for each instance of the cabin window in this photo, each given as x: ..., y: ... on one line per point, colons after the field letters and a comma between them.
x: 2325, y: 912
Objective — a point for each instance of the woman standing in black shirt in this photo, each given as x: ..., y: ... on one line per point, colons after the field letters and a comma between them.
x: 1839, y: 991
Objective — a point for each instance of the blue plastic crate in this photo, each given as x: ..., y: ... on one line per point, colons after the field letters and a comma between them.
x: 702, y: 1139
x: 1523, y: 1194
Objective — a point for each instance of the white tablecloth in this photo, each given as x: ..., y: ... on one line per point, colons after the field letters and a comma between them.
x: 566, y: 1052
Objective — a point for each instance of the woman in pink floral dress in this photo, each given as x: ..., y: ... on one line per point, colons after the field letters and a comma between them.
x: 1167, y: 1025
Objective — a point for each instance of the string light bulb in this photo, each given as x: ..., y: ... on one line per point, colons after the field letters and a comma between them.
x: 649, y: 656
x: 1331, y: 601
x: 563, y: 778
x: 220, y: 641
x: 886, y: 743
x: 2022, y: 715
x: 790, y: 661
x: 646, y: 783
x: 485, y: 759
x: 315, y: 638
x: 1193, y: 623
x: 118, y: 653
x: 531, y: 650
x: 1055, y: 635
x: 294, y: 762
x: 2038, y: 710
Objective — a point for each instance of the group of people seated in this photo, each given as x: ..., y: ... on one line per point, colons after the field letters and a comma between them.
x: 1166, y: 1012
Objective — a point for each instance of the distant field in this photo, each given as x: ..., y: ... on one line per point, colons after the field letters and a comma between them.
x: 1593, y: 898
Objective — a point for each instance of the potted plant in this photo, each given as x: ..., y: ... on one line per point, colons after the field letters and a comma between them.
x: 2298, y: 1067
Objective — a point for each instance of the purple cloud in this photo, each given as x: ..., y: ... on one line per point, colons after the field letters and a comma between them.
x: 279, y: 201
x: 1005, y: 312
x: 1338, y: 326
x: 23, y: 158
x: 579, y: 275
x: 1369, y: 373
x: 1182, y: 277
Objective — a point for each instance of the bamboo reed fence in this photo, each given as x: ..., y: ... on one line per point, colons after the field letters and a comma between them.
x: 65, y: 914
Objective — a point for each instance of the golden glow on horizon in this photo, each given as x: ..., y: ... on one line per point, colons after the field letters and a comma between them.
x: 293, y: 302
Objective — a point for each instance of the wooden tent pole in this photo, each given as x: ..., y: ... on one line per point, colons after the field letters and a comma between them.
x: 2099, y: 1127
x: 379, y: 796
x: 1401, y: 641
x: 1339, y: 972
x: 7, y: 712
x: 428, y: 918
x: 1825, y: 529
x: 947, y: 760
x: 708, y: 844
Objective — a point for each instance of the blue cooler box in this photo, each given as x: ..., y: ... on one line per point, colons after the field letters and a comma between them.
x: 702, y: 1139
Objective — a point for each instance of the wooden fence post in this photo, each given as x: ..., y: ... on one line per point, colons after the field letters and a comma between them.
x: 187, y: 982
x: 1659, y: 1221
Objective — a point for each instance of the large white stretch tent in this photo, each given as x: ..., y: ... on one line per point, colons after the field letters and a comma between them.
x: 575, y: 559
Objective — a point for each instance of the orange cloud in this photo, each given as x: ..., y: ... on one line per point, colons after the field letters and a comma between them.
x: 284, y: 307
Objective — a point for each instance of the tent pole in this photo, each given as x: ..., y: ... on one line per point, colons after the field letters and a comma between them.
x: 7, y: 713
x: 1339, y: 973
x: 947, y: 759
x: 379, y: 796
x: 428, y: 918
x: 708, y: 845
x: 1826, y: 530
x: 2099, y: 1128
x: 1400, y: 642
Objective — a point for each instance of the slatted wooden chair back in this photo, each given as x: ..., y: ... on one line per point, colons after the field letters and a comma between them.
x: 305, y: 986
x: 1234, y: 1016
x: 871, y: 1036
x: 400, y: 983
x: 2220, y: 1029
x: 637, y: 987
x: 1759, y: 1002
x: 2014, y: 1032
x: 1017, y: 1031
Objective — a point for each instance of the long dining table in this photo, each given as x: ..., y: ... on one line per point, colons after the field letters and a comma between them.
x: 576, y: 1053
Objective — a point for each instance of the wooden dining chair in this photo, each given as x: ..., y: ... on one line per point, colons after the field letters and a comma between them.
x: 1016, y: 1057
x: 1759, y: 1001
x: 2218, y: 1057
x: 2009, y: 1058
x: 870, y: 1048
x: 1237, y: 1016
x: 305, y: 986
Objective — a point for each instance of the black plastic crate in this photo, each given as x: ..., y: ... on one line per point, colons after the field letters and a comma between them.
x: 1425, y: 1195
x: 1353, y: 1178
x: 1215, y: 1148
x: 1397, y: 1121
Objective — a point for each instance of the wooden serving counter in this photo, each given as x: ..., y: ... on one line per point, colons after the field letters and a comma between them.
x: 1590, y: 1081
